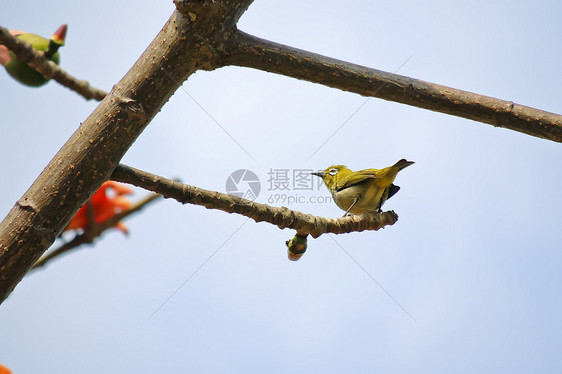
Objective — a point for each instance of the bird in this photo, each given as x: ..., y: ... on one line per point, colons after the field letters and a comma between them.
x: 364, y: 191
x: 21, y: 71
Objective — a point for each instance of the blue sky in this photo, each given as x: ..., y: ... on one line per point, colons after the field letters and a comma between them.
x: 475, y: 256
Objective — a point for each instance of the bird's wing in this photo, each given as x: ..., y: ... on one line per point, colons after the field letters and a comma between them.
x: 355, y: 178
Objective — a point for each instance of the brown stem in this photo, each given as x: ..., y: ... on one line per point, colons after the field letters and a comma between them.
x: 281, y: 217
x: 37, y: 60
x: 250, y: 51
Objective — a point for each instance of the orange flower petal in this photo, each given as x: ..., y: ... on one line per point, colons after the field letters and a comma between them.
x: 104, y: 206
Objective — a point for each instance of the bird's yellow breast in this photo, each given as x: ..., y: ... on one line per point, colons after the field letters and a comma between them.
x: 368, y: 193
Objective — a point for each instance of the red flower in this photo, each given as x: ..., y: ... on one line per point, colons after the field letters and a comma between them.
x: 104, y: 205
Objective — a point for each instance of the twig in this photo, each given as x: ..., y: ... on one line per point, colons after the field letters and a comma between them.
x: 281, y: 217
x: 250, y: 51
x: 93, y: 231
x: 25, y: 52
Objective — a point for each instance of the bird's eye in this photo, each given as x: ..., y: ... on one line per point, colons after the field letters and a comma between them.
x: 333, y: 171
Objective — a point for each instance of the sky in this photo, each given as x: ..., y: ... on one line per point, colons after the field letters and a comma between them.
x: 467, y: 280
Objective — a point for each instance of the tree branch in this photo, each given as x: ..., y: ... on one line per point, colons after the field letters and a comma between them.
x: 93, y: 231
x: 25, y: 52
x: 250, y: 51
x: 281, y: 217
x: 87, y: 159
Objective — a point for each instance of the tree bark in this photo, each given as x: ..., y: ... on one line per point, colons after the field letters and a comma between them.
x: 250, y: 51
x: 95, y: 149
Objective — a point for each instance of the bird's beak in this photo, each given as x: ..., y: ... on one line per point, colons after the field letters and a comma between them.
x: 320, y: 174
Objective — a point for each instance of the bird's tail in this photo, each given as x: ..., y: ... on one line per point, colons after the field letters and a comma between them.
x: 402, y: 164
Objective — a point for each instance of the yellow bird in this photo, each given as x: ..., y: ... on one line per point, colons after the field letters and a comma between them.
x: 363, y: 191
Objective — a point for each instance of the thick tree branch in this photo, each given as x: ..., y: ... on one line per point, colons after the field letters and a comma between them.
x: 93, y: 231
x: 250, y: 51
x: 281, y: 217
x: 25, y: 52
x: 87, y: 159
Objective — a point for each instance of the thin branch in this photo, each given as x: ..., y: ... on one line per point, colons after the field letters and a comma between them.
x: 250, y: 51
x: 281, y: 217
x: 25, y: 52
x: 94, y: 231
